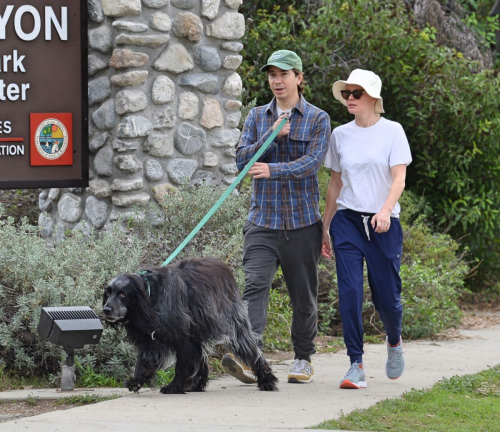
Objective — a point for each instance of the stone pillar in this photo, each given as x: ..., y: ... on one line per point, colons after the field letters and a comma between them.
x: 163, y: 107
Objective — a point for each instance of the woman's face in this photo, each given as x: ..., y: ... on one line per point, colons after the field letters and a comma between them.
x: 363, y: 105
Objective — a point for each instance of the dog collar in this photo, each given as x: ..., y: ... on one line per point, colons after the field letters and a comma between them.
x: 144, y: 275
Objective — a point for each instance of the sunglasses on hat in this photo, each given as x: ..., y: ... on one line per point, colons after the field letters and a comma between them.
x: 356, y: 94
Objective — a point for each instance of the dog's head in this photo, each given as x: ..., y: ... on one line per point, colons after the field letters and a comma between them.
x: 124, y: 293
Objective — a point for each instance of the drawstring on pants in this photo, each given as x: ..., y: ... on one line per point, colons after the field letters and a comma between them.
x: 366, y: 219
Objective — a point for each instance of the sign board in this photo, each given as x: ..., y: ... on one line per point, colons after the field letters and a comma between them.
x: 43, y: 94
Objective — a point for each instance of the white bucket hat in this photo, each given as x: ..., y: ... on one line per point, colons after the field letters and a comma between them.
x: 370, y: 81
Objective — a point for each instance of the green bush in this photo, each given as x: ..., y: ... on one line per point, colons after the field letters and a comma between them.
x: 279, y: 319
x: 431, y: 310
x: 180, y: 211
x: 88, y: 377
x: 447, y: 104
x: 433, y: 271
x: 76, y: 270
x: 72, y: 272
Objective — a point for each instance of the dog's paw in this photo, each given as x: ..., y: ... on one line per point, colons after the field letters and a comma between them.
x: 171, y: 390
x: 199, y: 385
x: 133, y: 385
x: 268, y: 382
x: 194, y: 389
x: 268, y: 387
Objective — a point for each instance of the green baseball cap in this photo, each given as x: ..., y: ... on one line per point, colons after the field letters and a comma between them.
x: 285, y: 60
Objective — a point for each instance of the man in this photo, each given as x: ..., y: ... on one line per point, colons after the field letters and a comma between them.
x: 284, y: 225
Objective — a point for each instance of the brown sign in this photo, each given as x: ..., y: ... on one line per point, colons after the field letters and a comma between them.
x: 43, y: 94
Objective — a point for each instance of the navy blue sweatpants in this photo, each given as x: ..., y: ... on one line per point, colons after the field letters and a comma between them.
x: 353, y: 240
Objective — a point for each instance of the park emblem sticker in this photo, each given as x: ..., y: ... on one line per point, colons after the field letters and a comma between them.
x: 51, y: 139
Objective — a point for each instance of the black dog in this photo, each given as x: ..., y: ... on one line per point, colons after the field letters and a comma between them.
x: 181, y: 310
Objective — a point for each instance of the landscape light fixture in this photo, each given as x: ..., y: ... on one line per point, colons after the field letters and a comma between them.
x: 71, y: 327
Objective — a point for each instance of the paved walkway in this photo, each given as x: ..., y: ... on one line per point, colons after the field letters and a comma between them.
x: 228, y: 405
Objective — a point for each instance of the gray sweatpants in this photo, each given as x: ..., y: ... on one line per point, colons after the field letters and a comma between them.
x: 297, y: 252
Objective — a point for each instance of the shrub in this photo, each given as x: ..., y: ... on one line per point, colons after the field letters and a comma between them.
x: 87, y: 377
x: 433, y: 260
x: 76, y: 271
x: 73, y: 272
x: 279, y: 319
x: 433, y: 309
x: 180, y: 211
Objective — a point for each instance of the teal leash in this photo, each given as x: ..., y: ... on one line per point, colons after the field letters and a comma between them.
x: 226, y: 193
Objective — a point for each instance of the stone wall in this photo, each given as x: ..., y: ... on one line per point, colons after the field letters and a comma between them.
x: 163, y: 108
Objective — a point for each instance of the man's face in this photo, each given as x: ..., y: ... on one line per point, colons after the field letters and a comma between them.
x: 283, y: 83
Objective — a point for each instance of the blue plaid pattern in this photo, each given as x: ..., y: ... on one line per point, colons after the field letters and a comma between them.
x: 289, y: 198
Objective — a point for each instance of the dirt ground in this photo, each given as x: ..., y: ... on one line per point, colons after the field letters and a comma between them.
x: 16, y: 410
x: 477, y: 317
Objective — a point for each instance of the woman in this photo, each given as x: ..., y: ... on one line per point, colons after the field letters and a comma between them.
x: 368, y: 159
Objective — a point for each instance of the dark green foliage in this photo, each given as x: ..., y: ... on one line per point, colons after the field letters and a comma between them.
x: 279, y: 319
x: 481, y: 7
x: 164, y: 377
x: 88, y: 377
x: 447, y: 104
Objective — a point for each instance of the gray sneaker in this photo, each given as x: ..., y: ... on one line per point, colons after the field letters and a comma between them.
x: 355, y: 378
x: 301, y: 371
x: 395, y: 361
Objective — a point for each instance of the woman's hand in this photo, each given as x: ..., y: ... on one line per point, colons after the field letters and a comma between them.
x: 381, y: 222
x: 326, y: 247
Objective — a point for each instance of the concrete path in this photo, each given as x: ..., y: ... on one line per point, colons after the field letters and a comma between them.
x: 228, y: 405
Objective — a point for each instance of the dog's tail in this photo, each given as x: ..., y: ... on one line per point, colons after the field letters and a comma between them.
x: 244, y: 346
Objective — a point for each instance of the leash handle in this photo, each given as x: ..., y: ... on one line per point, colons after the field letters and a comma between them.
x: 227, y: 192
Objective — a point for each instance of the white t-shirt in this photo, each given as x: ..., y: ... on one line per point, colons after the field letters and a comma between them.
x: 364, y: 157
x: 280, y: 111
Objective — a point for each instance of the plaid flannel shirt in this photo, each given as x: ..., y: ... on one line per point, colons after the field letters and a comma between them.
x: 289, y: 199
